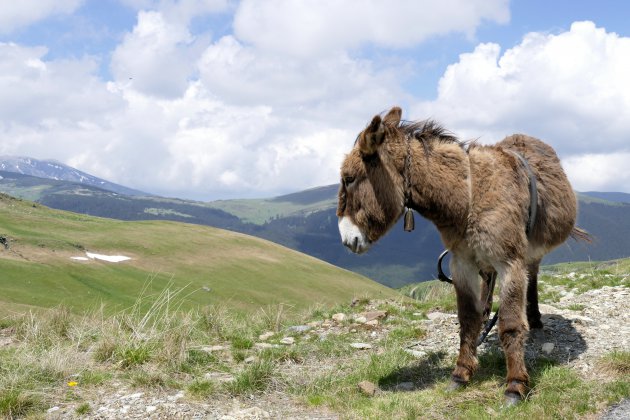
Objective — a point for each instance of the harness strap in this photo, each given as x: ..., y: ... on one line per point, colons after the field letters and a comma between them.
x: 533, y: 193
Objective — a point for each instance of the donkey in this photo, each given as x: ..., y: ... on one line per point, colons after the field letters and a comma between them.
x: 478, y: 197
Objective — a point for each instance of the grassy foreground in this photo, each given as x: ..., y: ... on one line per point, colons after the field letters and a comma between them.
x: 212, y: 354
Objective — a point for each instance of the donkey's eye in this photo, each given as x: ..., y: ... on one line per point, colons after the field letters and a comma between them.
x: 347, y: 180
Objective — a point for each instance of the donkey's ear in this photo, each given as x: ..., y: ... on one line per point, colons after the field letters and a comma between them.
x: 392, y: 118
x: 372, y: 136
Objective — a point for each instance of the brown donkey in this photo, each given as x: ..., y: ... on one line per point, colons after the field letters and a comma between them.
x: 478, y: 197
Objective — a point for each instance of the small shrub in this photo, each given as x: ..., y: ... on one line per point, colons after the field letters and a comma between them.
x: 15, y: 403
x: 240, y: 342
x: 254, y: 378
x: 201, y: 388
x: 617, y: 361
x: 133, y: 355
x: 83, y: 409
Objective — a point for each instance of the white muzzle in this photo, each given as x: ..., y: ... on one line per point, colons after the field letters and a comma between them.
x: 352, y: 237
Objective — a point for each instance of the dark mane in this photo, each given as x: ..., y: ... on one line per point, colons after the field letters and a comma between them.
x: 428, y: 131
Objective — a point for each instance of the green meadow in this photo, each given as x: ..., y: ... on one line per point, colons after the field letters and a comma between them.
x: 210, y: 265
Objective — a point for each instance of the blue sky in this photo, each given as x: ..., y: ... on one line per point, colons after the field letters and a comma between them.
x: 216, y: 99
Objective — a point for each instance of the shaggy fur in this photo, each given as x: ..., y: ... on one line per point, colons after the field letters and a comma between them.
x: 478, y: 198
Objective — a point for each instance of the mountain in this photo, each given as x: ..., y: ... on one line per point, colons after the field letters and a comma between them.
x: 306, y: 221
x: 617, y: 197
x: 58, y: 171
x: 40, y: 268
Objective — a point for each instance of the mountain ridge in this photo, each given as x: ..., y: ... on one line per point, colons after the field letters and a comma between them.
x: 306, y: 221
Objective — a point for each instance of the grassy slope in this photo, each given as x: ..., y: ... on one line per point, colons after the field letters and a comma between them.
x: 242, y: 271
x: 259, y: 211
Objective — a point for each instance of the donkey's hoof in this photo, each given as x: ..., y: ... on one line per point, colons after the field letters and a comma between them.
x: 455, y: 385
x: 511, y: 399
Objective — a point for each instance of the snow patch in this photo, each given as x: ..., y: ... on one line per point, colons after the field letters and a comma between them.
x: 109, y: 258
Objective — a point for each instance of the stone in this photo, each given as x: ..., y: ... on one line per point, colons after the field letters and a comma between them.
x: 361, y: 346
x: 360, y: 320
x: 287, y: 341
x: 369, y: 316
x: 299, y: 329
x: 266, y: 336
x: 53, y: 409
x: 263, y: 346
x: 151, y: 408
x: 547, y: 348
x: 210, y: 349
x: 415, y: 353
x: 340, y: 317
x: 436, y: 315
x: 250, y: 359
x: 367, y: 388
x: 372, y: 323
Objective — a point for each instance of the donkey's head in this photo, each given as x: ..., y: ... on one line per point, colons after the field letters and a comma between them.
x: 371, y: 197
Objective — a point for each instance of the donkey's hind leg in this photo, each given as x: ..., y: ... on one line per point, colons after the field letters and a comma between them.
x: 513, y: 328
x: 533, y: 313
x: 469, y: 312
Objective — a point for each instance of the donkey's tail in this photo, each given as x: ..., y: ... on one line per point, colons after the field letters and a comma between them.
x: 581, y: 235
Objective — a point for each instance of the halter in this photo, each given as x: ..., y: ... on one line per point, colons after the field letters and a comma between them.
x: 409, y: 222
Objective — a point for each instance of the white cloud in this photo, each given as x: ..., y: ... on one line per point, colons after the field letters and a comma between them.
x: 246, y: 116
x: 17, y: 14
x: 599, y: 172
x: 316, y: 27
x: 37, y: 92
x: 157, y: 57
x: 179, y: 11
x: 570, y: 89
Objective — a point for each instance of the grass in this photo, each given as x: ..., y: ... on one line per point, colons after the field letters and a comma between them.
x: 219, y: 267
x: 156, y: 344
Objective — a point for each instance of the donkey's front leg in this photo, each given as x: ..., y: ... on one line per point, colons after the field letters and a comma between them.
x: 469, y: 312
x: 513, y: 328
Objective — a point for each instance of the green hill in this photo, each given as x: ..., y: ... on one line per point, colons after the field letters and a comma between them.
x: 215, y: 265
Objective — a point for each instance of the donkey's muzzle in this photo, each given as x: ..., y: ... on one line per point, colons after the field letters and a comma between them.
x: 352, y: 237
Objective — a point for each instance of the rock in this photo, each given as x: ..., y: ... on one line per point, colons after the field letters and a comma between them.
x: 360, y: 320
x: 340, y: 317
x: 584, y: 320
x: 361, y: 346
x: 52, y: 409
x: 415, y: 353
x: 367, y: 388
x: 547, y: 348
x: 151, y: 408
x: 369, y: 316
x: 263, y: 346
x: 210, y: 349
x: 315, y: 324
x: 250, y: 359
x: 247, y: 413
x: 299, y: 328
x: 437, y: 315
x: 372, y: 323
x: 287, y: 341
x: 266, y: 336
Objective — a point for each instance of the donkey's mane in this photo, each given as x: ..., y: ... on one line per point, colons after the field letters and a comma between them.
x: 428, y: 131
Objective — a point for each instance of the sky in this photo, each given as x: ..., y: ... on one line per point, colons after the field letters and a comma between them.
x: 218, y: 99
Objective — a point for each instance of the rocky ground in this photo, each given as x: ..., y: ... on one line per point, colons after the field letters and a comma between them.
x: 578, y: 329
